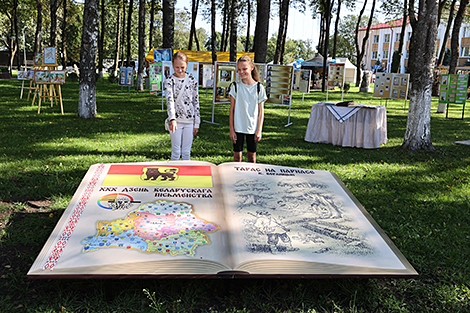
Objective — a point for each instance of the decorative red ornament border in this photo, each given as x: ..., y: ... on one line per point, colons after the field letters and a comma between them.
x: 72, y: 222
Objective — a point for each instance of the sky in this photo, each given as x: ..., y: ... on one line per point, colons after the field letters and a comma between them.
x: 300, y: 26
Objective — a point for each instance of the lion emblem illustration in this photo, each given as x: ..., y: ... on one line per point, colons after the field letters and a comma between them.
x: 160, y: 173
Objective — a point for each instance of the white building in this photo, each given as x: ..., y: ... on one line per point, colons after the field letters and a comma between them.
x: 384, y: 40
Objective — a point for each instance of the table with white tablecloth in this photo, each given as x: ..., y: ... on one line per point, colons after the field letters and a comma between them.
x: 361, y: 126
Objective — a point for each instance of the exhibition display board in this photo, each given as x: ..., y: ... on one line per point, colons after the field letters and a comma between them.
x: 391, y: 86
x: 453, y: 90
x: 279, y: 81
x: 194, y: 219
x: 302, y: 79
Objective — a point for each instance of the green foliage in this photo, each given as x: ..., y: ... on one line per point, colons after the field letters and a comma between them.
x: 346, y: 87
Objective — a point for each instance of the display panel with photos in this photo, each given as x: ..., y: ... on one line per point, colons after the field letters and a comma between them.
x: 453, y: 88
x: 207, y: 76
x: 225, y: 75
x: 383, y: 84
x: 302, y: 80
x: 400, y: 84
x: 279, y: 81
x: 391, y: 85
x: 126, y: 76
x: 336, y: 74
x: 155, y: 77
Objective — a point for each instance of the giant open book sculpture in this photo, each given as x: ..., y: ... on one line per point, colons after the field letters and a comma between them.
x: 196, y: 219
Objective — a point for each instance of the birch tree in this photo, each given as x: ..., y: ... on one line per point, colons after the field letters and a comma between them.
x: 421, y: 64
x: 87, y: 79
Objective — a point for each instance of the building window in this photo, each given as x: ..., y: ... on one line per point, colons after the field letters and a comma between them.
x: 465, y: 52
x: 375, y: 39
x: 385, y: 54
x: 374, y: 55
x: 397, y: 37
x: 408, y: 38
x: 466, y: 32
x: 387, y: 38
x: 407, y: 54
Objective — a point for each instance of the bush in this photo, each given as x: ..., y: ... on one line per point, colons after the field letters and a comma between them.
x: 346, y: 87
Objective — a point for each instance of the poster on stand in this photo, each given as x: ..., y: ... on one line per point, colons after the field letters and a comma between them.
x: 305, y: 80
x: 207, y: 76
x: 336, y: 74
x: 399, y: 86
x: 279, y: 81
x: 193, y: 68
x: 383, y: 85
x: 126, y: 76
x: 225, y: 75
x: 155, y: 76
x: 453, y: 88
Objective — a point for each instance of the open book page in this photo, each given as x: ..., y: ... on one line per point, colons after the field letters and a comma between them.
x: 158, y: 218
x: 298, y: 221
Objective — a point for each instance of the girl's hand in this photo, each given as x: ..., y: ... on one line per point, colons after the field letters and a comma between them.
x: 257, y: 137
x: 233, y: 136
x: 195, y: 131
x: 173, y: 126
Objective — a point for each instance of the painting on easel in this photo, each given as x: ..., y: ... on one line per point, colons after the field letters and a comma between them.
x: 49, y: 56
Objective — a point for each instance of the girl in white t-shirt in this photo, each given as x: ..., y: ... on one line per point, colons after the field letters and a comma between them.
x: 246, y: 110
x: 182, y: 96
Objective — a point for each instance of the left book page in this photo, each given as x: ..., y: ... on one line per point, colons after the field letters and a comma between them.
x: 140, y: 219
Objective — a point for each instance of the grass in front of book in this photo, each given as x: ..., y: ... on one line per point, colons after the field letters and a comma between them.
x: 420, y: 200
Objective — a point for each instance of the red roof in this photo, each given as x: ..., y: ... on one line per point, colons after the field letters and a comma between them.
x: 391, y: 24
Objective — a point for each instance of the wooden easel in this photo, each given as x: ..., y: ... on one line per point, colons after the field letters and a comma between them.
x: 49, y: 90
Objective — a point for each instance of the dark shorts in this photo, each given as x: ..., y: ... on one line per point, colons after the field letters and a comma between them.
x: 250, y: 142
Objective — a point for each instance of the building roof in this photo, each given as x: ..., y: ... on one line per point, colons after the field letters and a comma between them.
x: 391, y: 24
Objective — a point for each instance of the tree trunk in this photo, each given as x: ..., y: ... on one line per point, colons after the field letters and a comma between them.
x: 248, y: 15
x: 446, y: 34
x: 281, y: 34
x: 260, y: 43
x: 128, y: 35
x: 118, y: 41
x: 335, y: 36
x: 454, y: 42
x: 233, y: 31
x: 17, y: 37
x: 402, y: 34
x: 152, y: 21
x: 168, y: 23
x: 225, y: 23
x: 87, y: 80
x: 53, y: 32
x: 213, y: 33
x: 123, y: 41
x: 38, y: 36
x: 139, y: 85
x: 361, y: 51
x: 192, y: 30
x: 64, y: 35
x: 101, y: 41
x: 421, y: 61
x: 321, y: 35
x: 328, y: 8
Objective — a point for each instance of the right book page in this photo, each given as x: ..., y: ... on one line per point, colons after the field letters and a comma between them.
x: 292, y: 221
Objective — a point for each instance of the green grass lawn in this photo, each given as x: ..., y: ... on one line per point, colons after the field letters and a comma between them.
x: 421, y: 200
